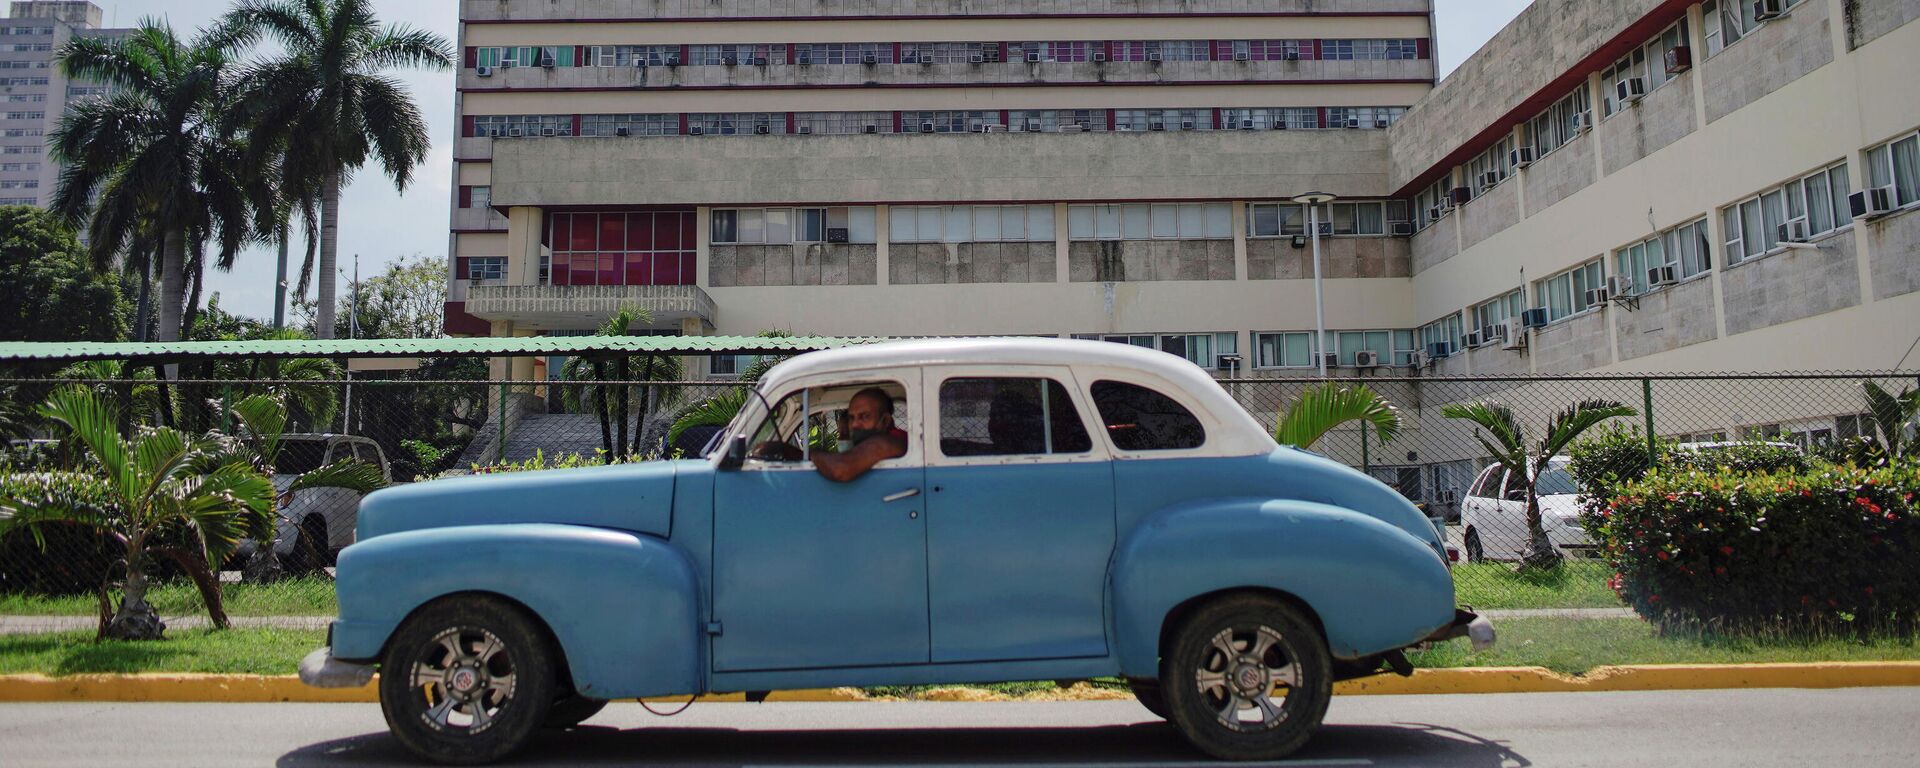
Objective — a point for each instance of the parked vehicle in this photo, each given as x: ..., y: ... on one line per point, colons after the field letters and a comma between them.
x: 316, y: 523
x: 1064, y: 510
x: 1493, y: 514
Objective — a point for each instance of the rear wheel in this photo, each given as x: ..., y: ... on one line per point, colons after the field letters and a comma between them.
x: 467, y: 680
x: 1248, y: 678
x: 1475, y: 551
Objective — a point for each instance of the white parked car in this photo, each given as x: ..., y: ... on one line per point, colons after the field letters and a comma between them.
x: 1493, y: 515
x: 316, y: 523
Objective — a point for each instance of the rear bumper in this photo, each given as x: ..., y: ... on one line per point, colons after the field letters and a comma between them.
x: 1476, y: 628
x: 321, y: 670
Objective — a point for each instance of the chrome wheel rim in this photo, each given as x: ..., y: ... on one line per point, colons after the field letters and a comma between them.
x: 463, y: 677
x: 1245, y: 676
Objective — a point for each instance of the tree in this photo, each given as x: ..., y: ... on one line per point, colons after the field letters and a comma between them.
x: 1895, y: 416
x: 406, y: 301
x: 612, y: 403
x: 1323, y: 407
x: 327, y: 106
x: 1509, y: 448
x: 719, y: 410
x: 48, y: 292
x: 151, y: 153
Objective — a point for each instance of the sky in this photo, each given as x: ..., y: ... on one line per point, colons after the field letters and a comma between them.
x: 382, y: 225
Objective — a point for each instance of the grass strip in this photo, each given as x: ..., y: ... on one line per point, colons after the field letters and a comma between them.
x: 291, y: 597
x: 1575, y: 584
x: 249, y: 651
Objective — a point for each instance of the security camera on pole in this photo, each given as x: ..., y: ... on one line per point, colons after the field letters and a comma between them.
x: 1313, y: 201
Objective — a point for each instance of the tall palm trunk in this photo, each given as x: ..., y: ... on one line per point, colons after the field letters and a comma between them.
x: 173, y: 284
x: 1540, y: 551
x: 134, y: 620
x: 329, y: 253
x: 143, y: 316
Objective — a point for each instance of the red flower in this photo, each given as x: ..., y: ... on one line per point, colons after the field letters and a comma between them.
x: 1662, y: 554
x: 1653, y: 598
x: 1806, y: 599
x: 1672, y: 497
x: 1720, y: 570
x: 1806, y: 493
x: 1726, y: 550
x: 1832, y: 604
x: 1869, y: 591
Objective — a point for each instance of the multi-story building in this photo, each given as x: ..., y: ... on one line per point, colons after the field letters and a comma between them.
x: 1605, y: 186
x: 35, y: 92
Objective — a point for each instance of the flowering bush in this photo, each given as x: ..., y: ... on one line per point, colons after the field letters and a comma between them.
x: 1827, y: 548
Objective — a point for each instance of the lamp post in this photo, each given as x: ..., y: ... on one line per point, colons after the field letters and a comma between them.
x: 1313, y: 201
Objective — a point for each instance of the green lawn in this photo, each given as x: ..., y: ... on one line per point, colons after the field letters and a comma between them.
x: 1564, y: 645
x: 1575, y: 584
x: 292, y: 597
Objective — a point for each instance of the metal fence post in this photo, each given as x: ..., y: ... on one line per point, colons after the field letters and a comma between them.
x: 500, y: 437
x: 1366, y: 451
x: 1646, y: 401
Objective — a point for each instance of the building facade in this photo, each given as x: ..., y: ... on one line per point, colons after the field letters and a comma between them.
x: 1624, y: 185
x: 36, y: 93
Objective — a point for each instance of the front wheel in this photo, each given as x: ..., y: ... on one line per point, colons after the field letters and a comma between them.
x: 1476, y: 552
x: 1147, y: 692
x: 1248, y: 678
x: 467, y: 680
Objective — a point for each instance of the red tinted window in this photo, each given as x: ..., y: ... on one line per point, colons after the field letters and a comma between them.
x: 613, y: 231
x: 639, y: 231
x: 584, y: 236
x: 639, y: 269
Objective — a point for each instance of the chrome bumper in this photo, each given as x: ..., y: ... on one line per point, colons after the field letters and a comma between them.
x: 321, y: 670
x: 1472, y: 626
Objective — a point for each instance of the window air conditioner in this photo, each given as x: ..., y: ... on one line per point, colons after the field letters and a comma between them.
x: 1619, y: 286
x: 1381, y: 123
x: 1291, y: 56
x: 978, y: 58
x: 1583, y: 122
x: 870, y: 59
x: 926, y: 61
x: 1153, y: 56
x: 695, y: 130
x: 1332, y: 359
x: 836, y: 234
x: 1460, y: 196
x: 1186, y: 125
x: 1520, y: 158
x: 1871, y: 203
x: 1597, y: 296
x: 1795, y: 231
x: 1246, y: 123
x: 762, y: 130
x: 483, y: 71
x: 804, y: 60
x: 1352, y: 123
x: 1435, y: 212
x: 508, y: 63
x: 759, y: 61
x: 926, y: 127
x: 1662, y: 276
x: 1033, y: 57
x: 1033, y: 124
x: 547, y: 62
x: 803, y: 129
x: 640, y: 64
x: 549, y: 132
x: 1400, y: 229
x: 1099, y: 57
x: 1514, y: 333
x: 1630, y: 90
x: 1279, y: 125
x: 870, y: 128
x: 1470, y: 340
x: 493, y: 132
x: 1240, y: 56
x: 1366, y: 359
x: 1768, y: 10
x: 516, y: 132
x: 1496, y: 332
x: 1439, y: 350
x: 622, y: 131
x: 673, y: 61
x: 1489, y: 179
x: 1156, y: 126
x: 1534, y: 318
x: 730, y: 60
x: 1679, y: 59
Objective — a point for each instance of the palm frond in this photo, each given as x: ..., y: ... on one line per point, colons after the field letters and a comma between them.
x: 29, y: 501
x: 89, y: 419
x: 1567, y: 425
x: 1320, y: 409
x: 1891, y: 413
x: 716, y: 411
x: 1509, y: 440
x: 351, y: 474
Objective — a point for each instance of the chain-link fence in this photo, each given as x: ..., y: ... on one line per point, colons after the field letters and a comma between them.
x: 416, y: 430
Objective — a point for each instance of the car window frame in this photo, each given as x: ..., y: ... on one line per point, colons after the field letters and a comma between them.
x: 936, y: 377
x: 909, y: 379
x: 1478, y: 489
x: 1210, y: 427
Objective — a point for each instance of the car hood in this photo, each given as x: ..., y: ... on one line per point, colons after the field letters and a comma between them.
x: 628, y: 497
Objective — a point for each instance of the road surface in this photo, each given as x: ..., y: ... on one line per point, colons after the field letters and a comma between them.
x: 1743, y: 729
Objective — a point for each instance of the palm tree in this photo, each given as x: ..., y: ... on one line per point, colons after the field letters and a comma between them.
x: 613, y: 403
x: 1323, y: 407
x: 327, y: 106
x: 719, y: 410
x: 1894, y: 415
x: 160, y: 493
x: 151, y: 154
x: 1509, y: 448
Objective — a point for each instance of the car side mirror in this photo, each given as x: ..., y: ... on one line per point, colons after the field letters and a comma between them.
x: 736, y: 453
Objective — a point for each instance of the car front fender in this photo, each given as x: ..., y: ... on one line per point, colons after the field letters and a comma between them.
x: 1374, y: 587
x: 624, y: 606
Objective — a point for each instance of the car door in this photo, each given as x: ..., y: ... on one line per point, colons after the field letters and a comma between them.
x: 1020, y: 521
x: 811, y: 573
x: 1478, y: 508
x: 1508, y: 524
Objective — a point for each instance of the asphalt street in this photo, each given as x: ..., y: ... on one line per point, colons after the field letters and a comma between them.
x: 1748, y: 729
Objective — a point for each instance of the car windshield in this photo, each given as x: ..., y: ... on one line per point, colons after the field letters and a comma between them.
x: 298, y: 457
x: 1556, y: 481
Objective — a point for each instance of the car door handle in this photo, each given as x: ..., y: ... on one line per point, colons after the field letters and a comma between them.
x: 906, y: 494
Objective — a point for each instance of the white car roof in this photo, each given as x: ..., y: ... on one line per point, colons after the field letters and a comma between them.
x: 1231, y: 430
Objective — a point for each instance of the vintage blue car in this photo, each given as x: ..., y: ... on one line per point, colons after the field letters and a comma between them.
x: 1062, y: 510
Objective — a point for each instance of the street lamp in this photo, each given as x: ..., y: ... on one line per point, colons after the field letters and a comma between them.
x: 1313, y: 201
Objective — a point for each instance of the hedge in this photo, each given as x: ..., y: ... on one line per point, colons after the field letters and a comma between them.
x: 1831, y: 548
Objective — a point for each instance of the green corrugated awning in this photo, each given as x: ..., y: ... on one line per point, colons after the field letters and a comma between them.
x: 466, y: 347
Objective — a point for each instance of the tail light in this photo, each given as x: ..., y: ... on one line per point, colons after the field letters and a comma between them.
x: 285, y: 499
x: 1453, y: 556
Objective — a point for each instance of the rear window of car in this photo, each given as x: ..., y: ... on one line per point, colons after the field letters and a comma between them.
x: 1140, y: 419
x: 1556, y: 481
x: 298, y: 457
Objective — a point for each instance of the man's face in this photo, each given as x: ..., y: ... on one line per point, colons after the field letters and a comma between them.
x: 864, y: 414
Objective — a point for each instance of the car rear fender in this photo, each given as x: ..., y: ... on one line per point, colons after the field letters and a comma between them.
x: 1373, y: 586
x: 624, y: 607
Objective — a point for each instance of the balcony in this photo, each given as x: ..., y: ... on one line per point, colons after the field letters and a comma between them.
x: 581, y: 306
x: 478, y: 219
x: 955, y: 75
x: 492, y: 10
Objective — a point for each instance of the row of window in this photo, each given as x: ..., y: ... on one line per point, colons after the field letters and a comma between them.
x: 26, y: 115
x: 20, y: 184
x: 19, y: 166
x: 933, y: 121
x: 26, y: 31
x: 19, y: 201
x: 23, y: 149
x: 12, y: 81
x: 42, y: 64
x: 982, y: 52
x: 26, y: 98
x: 27, y: 47
x: 775, y: 226
x: 1359, y: 218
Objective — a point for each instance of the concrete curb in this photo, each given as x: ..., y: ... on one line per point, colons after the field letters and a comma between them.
x: 1661, y: 677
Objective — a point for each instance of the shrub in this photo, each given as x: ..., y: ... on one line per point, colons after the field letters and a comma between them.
x: 1741, y: 458
x: 1615, y: 455
x: 1857, y: 451
x: 1824, y: 549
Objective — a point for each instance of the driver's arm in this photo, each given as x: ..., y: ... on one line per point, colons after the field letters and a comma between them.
x: 844, y: 467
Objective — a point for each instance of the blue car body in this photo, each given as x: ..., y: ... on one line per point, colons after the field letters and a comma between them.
x: 678, y: 577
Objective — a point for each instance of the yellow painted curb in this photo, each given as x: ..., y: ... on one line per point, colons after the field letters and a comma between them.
x: 1658, y: 677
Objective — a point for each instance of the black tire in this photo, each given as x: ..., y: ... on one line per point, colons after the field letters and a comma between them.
x: 1476, y: 552
x: 1271, y: 641
x: 309, y: 547
x: 431, y: 719
x: 1147, y: 692
x: 572, y: 710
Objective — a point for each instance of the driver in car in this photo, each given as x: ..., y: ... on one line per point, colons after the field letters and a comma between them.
x: 871, y: 439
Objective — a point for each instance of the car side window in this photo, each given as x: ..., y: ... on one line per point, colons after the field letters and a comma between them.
x: 1009, y: 417
x: 823, y: 426
x: 1140, y: 419
x: 1487, y: 484
x: 1512, y: 486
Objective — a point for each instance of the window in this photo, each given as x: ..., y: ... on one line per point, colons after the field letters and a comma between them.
x: 1163, y: 119
x: 1051, y: 51
x: 633, y: 125
x: 838, y: 123
x: 749, y: 54
x: 804, y: 420
x: 1755, y: 226
x: 737, y: 123
x: 1491, y: 167
x: 1293, y: 349
x: 631, y: 55
x: 1496, y: 312
x: 1728, y: 21
x: 843, y: 53
x: 1684, y: 248
x: 486, y: 268
x: 620, y: 248
x: 1895, y: 164
x: 1561, y: 123
x: 1289, y: 219
x: 1364, y: 117
x: 1009, y: 417
x: 1151, y: 221
x: 945, y: 121
x: 1201, y: 349
x: 1565, y: 295
x: 1140, y: 419
x: 970, y: 224
x: 1263, y: 50
x: 1431, y: 204
x: 780, y: 226
x: 1052, y: 120
x: 730, y: 365
x: 1162, y: 50
x: 525, y: 56
x: 479, y: 197
x: 513, y: 126
x: 950, y: 53
x: 1396, y: 49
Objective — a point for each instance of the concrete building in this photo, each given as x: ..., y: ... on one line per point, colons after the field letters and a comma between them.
x: 1624, y: 185
x: 36, y: 93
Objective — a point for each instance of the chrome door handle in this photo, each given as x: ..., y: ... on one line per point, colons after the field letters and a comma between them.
x: 906, y: 494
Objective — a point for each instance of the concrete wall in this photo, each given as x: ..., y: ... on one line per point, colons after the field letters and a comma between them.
x: 1666, y: 319
x: 1553, y: 178
x: 793, y: 75
x: 1436, y: 244
x: 805, y: 264
x: 1895, y: 244
x: 1867, y: 20
x: 1340, y: 257
x: 745, y: 170
x: 1792, y: 284
x: 1493, y: 211
x: 1662, y: 118
x: 1491, y: 360
x: 947, y: 263
x: 1779, y: 52
x: 1572, y: 345
x: 1149, y: 260
x: 936, y: 9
